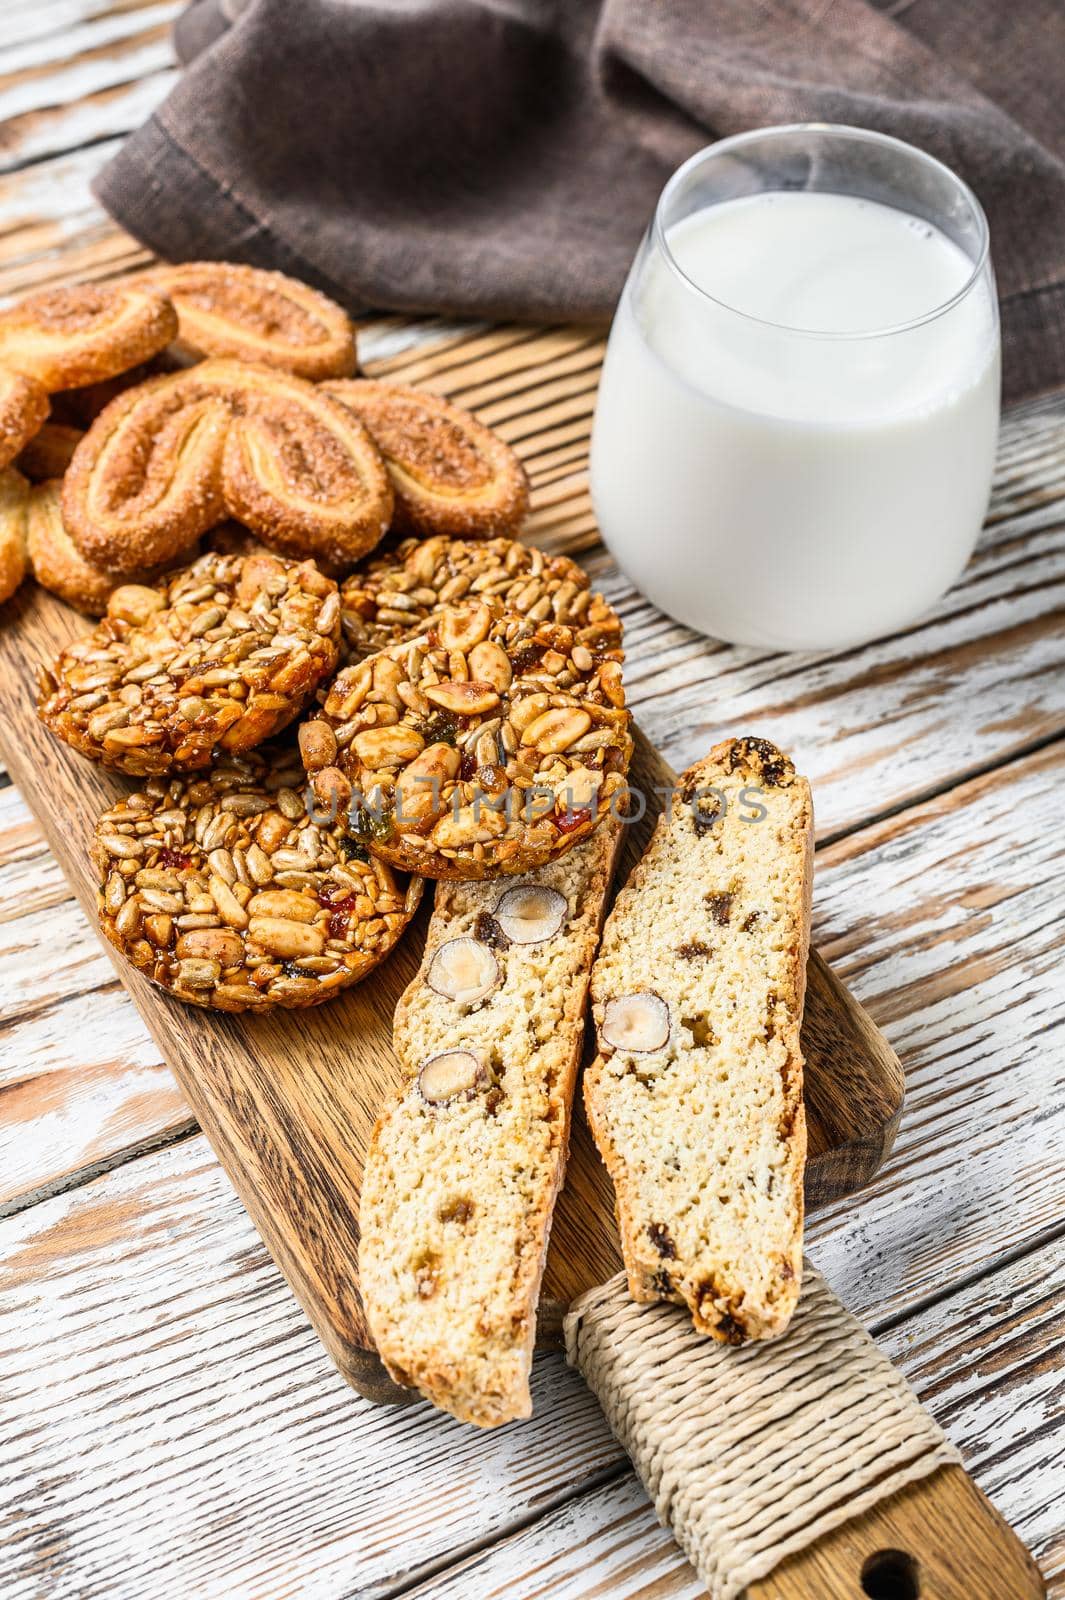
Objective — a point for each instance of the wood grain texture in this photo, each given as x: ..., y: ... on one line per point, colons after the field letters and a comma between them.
x: 288, y: 1104
x: 193, y: 1439
x: 940, y: 1539
x: 984, y: 1360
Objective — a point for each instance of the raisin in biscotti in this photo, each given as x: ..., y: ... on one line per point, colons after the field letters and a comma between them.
x: 695, y: 1097
x: 463, y: 1170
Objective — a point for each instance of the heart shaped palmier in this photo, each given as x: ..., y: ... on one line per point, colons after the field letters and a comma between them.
x: 450, y: 473
x: 23, y: 409
x: 66, y: 338
x: 166, y: 461
x: 254, y: 315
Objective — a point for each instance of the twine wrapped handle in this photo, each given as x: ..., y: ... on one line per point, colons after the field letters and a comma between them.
x: 750, y: 1455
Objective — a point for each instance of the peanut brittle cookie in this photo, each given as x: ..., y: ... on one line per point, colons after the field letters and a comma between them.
x: 227, y: 310
x: 221, y: 889
x: 167, y: 460
x: 14, y: 501
x: 490, y: 744
x: 64, y: 338
x: 450, y: 473
x: 218, y: 656
x: 394, y: 596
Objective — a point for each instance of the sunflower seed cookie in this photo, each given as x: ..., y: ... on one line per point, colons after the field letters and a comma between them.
x: 169, y: 459
x: 464, y: 1168
x: 695, y: 1097
x: 394, y: 596
x: 219, y: 656
x: 450, y: 473
x: 490, y: 744
x: 221, y: 889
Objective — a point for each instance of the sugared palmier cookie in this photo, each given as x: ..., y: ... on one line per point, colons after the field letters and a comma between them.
x: 14, y: 502
x: 221, y: 888
x: 227, y: 310
x: 450, y: 473
x: 55, y: 560
x: 23, y: 409
x: 167, y: 460
x: 64, y: 338
x: 490, y: 744
x: 393, y: 596
x: 50, y: 452
x: 218, y: 656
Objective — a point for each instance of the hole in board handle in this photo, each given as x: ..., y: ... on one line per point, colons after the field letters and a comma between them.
x: 891, y: 1575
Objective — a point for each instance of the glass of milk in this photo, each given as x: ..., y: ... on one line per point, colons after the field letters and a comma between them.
x: 796, y: 423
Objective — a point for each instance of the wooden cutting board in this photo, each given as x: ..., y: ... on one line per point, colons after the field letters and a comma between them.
x: 288, y: 1099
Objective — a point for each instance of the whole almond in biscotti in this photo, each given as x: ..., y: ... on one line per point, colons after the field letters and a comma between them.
x: 394, y: 596
x: 450, y: 473
x: 216, y: 657
x: 222, y: 889
x: 464, y: 1167
x: 166, y: 461
x: 490, y: 744
x: 255, y: 315
x: 695, y: 1097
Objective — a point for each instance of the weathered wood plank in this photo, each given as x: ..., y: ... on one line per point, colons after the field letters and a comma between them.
x: 162, y: 1248
x: 75, y: 72
x: 985, y: 1360
x: 285, y: 1483
x: 51, y: 229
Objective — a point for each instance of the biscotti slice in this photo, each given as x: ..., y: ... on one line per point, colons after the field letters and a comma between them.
x: 462, y: 1172
x: 695, y: 1097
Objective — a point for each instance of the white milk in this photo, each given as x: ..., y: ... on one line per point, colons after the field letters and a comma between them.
x: 775, y: 488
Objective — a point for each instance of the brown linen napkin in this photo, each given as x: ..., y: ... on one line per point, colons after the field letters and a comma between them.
x: 501, y: 158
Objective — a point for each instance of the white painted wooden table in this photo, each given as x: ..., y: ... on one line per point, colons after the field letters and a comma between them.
x: 169, y: 1425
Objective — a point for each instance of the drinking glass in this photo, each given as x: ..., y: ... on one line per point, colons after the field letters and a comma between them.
x: 800, y: 487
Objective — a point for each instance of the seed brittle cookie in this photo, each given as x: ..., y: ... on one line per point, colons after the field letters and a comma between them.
x: 491, y: 744
x: 450, y: 473
x: 395, y: 595
x: 167, y: 460
x: 221, y: 889
x: 227, y: 310
x: 219, y: 656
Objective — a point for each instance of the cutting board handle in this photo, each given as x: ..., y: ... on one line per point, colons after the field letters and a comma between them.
x: 800, y: 1469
